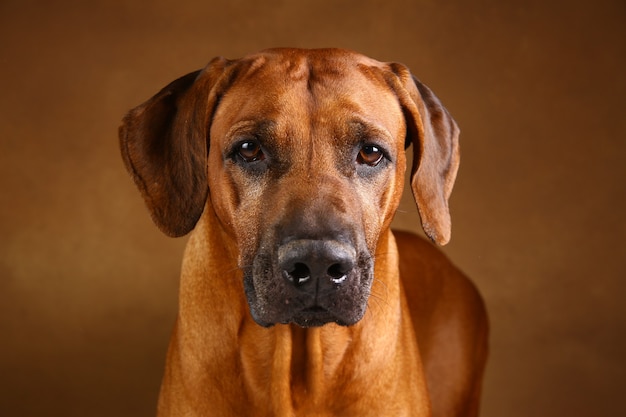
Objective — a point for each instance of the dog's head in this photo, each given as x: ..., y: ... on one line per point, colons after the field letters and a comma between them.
x: 300, y: 154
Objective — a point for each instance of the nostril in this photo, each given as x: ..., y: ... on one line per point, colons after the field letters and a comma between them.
x: 316, y: 265
x: 300, y: 273
x: 337, y: 273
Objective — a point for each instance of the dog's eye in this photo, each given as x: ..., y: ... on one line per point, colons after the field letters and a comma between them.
x: 250, y: 151
x: 370, y: 155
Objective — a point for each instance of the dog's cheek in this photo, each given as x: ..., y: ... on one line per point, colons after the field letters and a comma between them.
x: 388, y: 189
x: 237, y: 221
x: 220, y: 203
x: 370, y: 218
x: 248, y: 217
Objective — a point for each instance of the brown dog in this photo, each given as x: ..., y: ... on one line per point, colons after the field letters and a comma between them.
x: 289, y: 165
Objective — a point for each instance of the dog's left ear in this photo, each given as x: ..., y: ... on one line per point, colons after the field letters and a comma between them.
x: 164, y: 147
x: 435, y: 138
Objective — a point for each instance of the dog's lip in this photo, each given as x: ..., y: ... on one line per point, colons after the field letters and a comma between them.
x: 314, y: 315
x: 314, y: 309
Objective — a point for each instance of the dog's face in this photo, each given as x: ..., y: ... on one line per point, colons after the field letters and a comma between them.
x: 306, y: 167
x: 305, y: 170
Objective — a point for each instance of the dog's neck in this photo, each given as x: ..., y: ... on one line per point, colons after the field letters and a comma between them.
x: 285, y: 365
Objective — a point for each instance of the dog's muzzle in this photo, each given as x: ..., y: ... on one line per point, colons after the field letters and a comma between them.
x: 309, y: 282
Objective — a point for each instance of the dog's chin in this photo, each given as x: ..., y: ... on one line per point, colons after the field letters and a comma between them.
x: 308, y: 317
x: 319, y: 316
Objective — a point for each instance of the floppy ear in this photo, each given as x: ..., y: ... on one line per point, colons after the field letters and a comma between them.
x: 164, y: 144
x: 435, y: 138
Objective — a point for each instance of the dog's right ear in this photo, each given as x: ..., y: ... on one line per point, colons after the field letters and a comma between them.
x: 435, y: 138
x: 164, y: 144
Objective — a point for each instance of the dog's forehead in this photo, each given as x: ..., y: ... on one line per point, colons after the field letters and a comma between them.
x: 333, y: 60
x: 328, y: 85
x: 280, y: 69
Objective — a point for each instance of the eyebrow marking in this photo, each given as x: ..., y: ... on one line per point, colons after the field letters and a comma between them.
x: 361, y: 128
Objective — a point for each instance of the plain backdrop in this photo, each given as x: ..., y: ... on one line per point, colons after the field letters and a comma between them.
x: 88, y: 285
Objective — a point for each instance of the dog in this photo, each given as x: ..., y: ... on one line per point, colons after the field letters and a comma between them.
x: 296, y: 298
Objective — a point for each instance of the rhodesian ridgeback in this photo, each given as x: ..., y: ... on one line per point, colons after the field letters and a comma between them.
x: 296, y: 298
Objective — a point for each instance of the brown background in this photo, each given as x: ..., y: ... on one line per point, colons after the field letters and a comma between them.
x: 88, y: 285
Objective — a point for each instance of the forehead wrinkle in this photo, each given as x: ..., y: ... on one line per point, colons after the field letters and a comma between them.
x: 242, y: 127
x: 256, y: 128
x: 313, y: 99
x: 360, y: 127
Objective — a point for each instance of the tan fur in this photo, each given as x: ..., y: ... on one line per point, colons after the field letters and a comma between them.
x: 410, y: 334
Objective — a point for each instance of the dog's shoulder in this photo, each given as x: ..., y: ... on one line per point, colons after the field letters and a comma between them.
x: 433, y: 285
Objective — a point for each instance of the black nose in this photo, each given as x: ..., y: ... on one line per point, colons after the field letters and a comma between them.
x: 308, y: 262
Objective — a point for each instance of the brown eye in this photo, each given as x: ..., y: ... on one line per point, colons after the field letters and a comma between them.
x: 370, y: 155
x: 250, y: 151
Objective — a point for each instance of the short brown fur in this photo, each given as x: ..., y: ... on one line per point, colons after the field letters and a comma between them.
x: 399, y: 332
